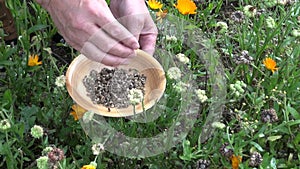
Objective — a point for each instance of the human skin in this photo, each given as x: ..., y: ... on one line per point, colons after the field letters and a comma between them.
x: 104, y: 34
x: 140, y: 22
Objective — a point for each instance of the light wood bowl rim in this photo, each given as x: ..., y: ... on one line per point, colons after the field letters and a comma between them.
x: 101, y: 110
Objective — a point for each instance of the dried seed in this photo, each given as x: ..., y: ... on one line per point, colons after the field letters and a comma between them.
x: 110, y: 87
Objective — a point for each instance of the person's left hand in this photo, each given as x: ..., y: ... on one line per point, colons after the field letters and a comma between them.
x: 134, y: 15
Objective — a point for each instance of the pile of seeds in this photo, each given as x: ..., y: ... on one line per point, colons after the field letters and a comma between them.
x: 110, y: 87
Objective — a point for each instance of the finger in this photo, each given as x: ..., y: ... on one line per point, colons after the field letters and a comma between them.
x: 121, y: 34
x: 143, y: 28
x: 133, y: 23
x: 109, y: 45
x: 114, y: 61
x: 148, y: 37
x: 76, y: 37
x: 148, y: 42
x: 92, y: 52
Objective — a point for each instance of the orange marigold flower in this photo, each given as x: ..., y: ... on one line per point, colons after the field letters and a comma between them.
x: 74, y: 114
x: 270, y: 64
x: 88, y: 167
x: 153, y: 4
x: 186, y: 7
x: 34, y: 60
x: 77, y: 112
x: 235, y: 161
x: 161, y: 14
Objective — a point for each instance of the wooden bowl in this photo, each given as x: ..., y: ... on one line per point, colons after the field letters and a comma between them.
x: 143, y: 62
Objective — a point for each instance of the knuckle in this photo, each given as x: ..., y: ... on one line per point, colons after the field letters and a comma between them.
x: 140, y: 21
x: 78, y: 23
x: 93, y: 9
x: 115, y: 31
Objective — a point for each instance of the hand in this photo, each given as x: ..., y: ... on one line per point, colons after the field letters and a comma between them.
x: 134, y: 15
x: 90, y: 27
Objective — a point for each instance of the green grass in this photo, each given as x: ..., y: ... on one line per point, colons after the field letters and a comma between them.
x: 29, y: 95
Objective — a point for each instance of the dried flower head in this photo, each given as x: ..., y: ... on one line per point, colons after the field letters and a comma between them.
x: 237, y: 16
x: 55, y: 155
x: 186, y: 7
x: 171, y: 38
x: 235, y: 161
x: 37, y: 131
x: 182, y: 58
x: 238, y: 88
x: 34, y: 60
x: 42, y: 162
x: 226, y: 151
x: 244, y: 58
x: 296, y: 32
x: 135, y: 96
x: 286, y: 2
x: 250, y: 10
x: 97, y: 148
x: 201, y: 94
x: 60, y: 81
x: 174, y: 73
x: 255, y: 159
x: 269, y: 116
x: 270, y: 64
x: 4, y: 124
x: 153, y: 4
x: 270, y: 22
x: 221, y: 27
x: 203, y: 164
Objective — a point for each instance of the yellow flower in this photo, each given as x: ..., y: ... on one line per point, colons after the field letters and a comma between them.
x: 34, y: 60
x: 77, y: 112
x: 153, y: 4
x: 161, y: 14
x: 186, y: 7
x: 235, y: 161
x: 270, y: 64
x: 88, y: 167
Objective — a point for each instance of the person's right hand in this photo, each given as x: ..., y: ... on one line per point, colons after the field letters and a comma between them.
x: 89, y: 27
x: 135, y: 16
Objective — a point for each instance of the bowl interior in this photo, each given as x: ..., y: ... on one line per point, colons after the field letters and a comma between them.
x: 143, y: 62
